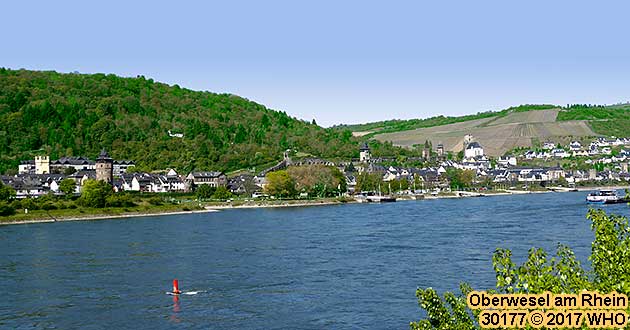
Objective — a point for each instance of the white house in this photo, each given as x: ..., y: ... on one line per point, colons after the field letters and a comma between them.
x: 575, y: 146
x: 26, y: 167
x: 507, y: 161
x: 560, y: 153
x: 473, y: 149
x: 580, y: 153
x: 548, y: 145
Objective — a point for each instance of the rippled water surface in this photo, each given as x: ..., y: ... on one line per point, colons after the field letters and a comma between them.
x: 340, y: 267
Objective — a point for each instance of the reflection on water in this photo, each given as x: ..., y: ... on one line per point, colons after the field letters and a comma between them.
x: 176, y: 309
x: 349, y: 266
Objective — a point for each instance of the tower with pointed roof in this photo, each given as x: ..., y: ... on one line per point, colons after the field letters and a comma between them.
x: 105, y: 167
x: 364, y: 153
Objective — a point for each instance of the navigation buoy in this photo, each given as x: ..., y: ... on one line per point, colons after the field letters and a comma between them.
x: 176, y: 287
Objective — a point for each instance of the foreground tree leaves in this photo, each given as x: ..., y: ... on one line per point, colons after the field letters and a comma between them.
x: 563, y: 273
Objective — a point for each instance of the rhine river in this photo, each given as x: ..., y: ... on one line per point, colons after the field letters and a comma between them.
x: 326, y: 267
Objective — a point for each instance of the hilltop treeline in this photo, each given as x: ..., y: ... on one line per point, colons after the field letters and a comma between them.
x: 78, y: 114
x: 398, y: 125
x: 604, y: 119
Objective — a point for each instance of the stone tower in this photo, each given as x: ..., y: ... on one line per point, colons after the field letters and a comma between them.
x: 42, y: 165
x: 105, y: 168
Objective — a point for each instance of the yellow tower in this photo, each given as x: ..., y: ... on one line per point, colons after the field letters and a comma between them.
x: 42, y: 165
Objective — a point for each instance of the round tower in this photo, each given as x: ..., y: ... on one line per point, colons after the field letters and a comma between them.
x: 105, y: 167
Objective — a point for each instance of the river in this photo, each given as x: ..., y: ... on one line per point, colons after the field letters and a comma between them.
x: 351, y: 266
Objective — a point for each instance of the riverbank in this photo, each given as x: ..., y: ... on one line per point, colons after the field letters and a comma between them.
x: 103, y: 217
x: 96, y: 214
x: 51, y: 217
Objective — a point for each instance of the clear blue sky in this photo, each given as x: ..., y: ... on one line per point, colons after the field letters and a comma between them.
x: 340, y: 61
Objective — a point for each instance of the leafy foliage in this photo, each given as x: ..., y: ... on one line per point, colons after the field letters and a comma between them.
x: 610, y: 258
x: 318, y: 180
x: 280, y: 184
x: 119, y: 200
x: 368, y: 182
x: 95, y: 193
x: 67, y: 186
x: 6, y: 209
x: 222, y: 193
x: 6, y: 192
x: 459, y: 178
x: 204, y: 191
x: 79, y: 114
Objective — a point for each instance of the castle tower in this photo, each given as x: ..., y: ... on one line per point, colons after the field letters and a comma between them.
x: 105, y: 167
x: 364, y: 153
x: 42, y: 165
x: 440, y: 150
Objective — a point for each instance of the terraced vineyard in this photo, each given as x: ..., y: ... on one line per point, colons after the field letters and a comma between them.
x: 496, y: 134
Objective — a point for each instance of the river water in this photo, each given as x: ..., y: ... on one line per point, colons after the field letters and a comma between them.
x: 326, y: 267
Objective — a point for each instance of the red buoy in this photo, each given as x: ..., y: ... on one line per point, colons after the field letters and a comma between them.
x: 176, y: 287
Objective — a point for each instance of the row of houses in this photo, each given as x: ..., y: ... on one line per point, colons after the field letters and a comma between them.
x: 43, y: 165
x: 599, y: 146
x: 33, y: 185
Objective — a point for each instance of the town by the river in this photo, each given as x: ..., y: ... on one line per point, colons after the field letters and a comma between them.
x: 351, y: 266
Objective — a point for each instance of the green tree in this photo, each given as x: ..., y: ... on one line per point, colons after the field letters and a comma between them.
x: 459, y: 178
x: 563, y: 273
x: 222, y: 193
x: 67, y: 186
x: 6, y: 193
x: 120, y: 200
x: 318, y: 180
x: 280, y: 184
x: 204, y: 191
x: 95, y: 193
x: 369, y: 182
x: 6, y: 209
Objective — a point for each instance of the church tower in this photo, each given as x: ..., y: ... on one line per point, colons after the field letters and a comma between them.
x: 105, y: 168
x: 364, y: 153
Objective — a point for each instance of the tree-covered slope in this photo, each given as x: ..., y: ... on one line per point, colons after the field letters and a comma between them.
x: 78, y: 114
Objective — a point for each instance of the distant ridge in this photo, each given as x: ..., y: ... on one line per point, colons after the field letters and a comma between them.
x: 504, y: 130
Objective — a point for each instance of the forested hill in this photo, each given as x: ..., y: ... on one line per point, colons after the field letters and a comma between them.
x: 78, y: 114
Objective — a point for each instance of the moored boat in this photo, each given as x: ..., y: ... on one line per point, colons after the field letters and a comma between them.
x: 604, y: 196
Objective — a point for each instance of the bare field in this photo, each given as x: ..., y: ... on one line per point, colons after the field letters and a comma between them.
x: 496, y: 135
x: 538, y: 116
x: 362, y: 133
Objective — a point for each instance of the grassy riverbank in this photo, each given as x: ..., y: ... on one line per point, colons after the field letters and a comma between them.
x: 148, y: 209
x: 148, y: 206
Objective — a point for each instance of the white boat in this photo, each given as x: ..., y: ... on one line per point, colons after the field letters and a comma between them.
x: 604, y: 196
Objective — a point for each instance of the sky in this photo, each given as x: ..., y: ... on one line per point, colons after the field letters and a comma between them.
x: 339, y: 61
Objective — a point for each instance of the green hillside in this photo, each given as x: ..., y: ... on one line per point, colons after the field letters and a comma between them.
x: 605, y: 120
x: 78, y: 114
